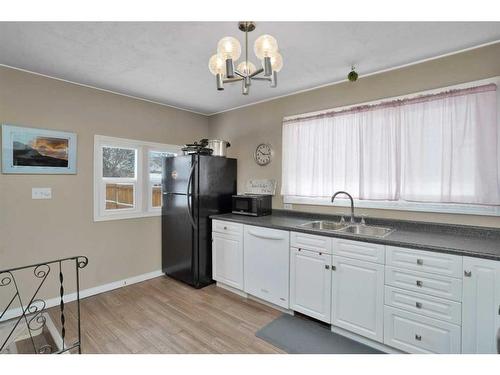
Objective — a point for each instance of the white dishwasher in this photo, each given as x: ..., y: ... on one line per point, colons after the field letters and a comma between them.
x: 266, y: 264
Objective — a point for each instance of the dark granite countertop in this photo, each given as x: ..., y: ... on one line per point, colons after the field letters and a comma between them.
x: 453, y: 239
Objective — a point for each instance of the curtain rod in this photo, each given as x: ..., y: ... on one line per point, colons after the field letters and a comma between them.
x: 395, y: 103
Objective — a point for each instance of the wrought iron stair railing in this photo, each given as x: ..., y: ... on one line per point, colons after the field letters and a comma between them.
x: 31, y: 315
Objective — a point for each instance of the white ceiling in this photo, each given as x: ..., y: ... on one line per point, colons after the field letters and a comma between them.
x: 167, y: 62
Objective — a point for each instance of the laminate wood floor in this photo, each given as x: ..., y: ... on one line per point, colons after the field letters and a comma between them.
x: 162, y: 315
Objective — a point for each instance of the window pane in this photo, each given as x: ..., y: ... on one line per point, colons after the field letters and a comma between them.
x: 118, y: 162
x: 119, y: 196
x: 156, y: 198
x: 155, y: 171
x: 156, y: 162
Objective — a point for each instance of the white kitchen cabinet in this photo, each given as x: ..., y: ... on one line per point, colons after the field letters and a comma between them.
x: 310, y: 283
x: 414, y: 333
x: 267, y: 264
x: 358, y: 297
x: 312, y: 242
x: 424, y: 261
x: 227, y: 227
x: 369, y: 252
x: 227, y: 259
x: 424, y: 304
x: 424, y: 282
x: 480, y: 305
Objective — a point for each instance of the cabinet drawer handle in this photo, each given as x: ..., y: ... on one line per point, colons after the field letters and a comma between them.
x: 418, y: 305
x: 334, y: 268
x: 419, y: 283
x: 418, y: 337
x: 225, y: 228
x: 327, y: 266
x: 467, y: 273
x: 420, y: 262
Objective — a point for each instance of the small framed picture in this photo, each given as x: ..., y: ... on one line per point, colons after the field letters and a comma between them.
x: 37, y: 151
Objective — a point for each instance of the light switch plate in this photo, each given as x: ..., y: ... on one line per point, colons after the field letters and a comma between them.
x: 41, y: 193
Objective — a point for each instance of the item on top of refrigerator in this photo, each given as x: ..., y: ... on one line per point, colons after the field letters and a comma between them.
x: 197, y: 148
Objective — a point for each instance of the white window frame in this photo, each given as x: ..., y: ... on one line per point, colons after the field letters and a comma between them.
x: 451, y: 208
x: 142, y: 183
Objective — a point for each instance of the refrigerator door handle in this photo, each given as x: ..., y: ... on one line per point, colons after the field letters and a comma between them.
x: 498, y: 341
x: 188, y: 195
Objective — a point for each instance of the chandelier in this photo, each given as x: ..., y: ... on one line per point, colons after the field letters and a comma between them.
x: 221, y: 65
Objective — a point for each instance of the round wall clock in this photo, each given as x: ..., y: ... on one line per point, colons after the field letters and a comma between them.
x: 263, y: 154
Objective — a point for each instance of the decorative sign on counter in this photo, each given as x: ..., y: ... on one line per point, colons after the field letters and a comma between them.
x: 262, y: 186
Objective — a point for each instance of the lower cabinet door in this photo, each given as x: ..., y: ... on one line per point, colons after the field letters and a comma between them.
x: 310, y: 283
x: 481, y: 306
x: 358, y: 297
x: 227, y: 260
x: 415, y: 333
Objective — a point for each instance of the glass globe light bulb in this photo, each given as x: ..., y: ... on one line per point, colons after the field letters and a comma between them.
x: 229, y: 48
x: 247, y: 70
x: 217, y: 65
x: 277, y: 62
x: 265, y: 46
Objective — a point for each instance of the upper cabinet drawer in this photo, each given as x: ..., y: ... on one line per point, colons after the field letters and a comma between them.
x: 423, y: 282
x: 227, y: 227
x: 311, y: 242
x: 369, y: 252
x: 419, y: 260
x: 419, y: 303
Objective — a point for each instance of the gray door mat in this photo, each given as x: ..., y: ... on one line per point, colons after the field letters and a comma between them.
x: 300, y: 335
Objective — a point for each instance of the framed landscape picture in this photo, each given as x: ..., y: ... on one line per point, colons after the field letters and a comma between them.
x: 37, y: 151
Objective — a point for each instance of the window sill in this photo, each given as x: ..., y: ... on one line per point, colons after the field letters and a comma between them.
x: 125, y: 216
x: 449, y: 208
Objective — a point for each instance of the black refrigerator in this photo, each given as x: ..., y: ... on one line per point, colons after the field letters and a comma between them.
x: 194, y: 187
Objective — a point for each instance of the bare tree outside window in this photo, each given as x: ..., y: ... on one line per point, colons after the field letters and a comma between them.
x: 118, y: 162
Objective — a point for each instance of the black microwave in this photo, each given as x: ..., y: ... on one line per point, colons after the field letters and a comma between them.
x: 252, y: 204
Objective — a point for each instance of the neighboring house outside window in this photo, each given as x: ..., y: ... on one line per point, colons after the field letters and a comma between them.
x: 127, y: 177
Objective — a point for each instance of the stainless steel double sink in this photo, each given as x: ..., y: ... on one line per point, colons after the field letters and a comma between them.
x: 342, y: 227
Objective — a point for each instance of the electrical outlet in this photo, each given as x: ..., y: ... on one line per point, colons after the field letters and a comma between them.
x: 41, y: 193
x: 287, y: 206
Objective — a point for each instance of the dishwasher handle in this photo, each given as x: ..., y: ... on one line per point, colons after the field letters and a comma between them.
x: 264, y: 236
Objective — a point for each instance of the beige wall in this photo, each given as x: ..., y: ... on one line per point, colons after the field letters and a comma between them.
x: 245, y: 128
x: 39, y: 230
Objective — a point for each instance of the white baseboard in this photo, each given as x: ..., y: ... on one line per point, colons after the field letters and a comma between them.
x: 51, y: 302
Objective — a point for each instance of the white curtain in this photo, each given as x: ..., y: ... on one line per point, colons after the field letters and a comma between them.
x: 442, y: 148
